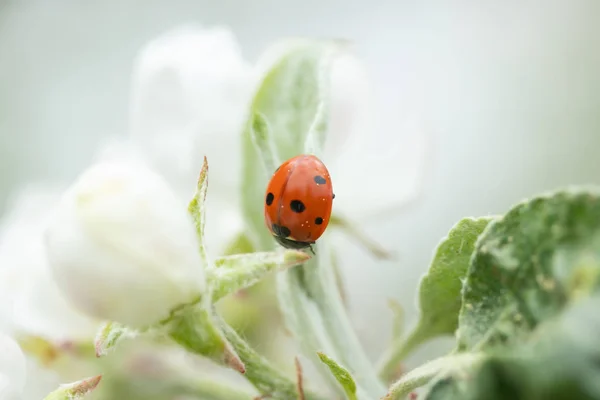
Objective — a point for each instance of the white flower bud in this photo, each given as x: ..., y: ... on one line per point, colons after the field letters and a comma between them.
x: 12, y: 369
x: 122, y: 246
x: 30, y: 301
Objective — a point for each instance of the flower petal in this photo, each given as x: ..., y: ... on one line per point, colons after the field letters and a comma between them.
x: 380, y: 171
x: 12, y: 368
x: 351, y: 102
x: 122, y: 246
x: 191, y: 92
x: 30, y: 301
x: 191, y: 89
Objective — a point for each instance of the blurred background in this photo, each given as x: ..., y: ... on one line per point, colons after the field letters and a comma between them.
x: 509, y: 93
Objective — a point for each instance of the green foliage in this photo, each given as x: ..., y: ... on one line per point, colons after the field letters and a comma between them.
x: 289, y: 116
x: 75, y: 391
x: 283, y: 111
x: 235, y: 272
x: 440, y: 289
x: 519, y: 275
x: 342, y: 375
x: 439, y: 292
x: 529, y: 314
x: 559, y: 361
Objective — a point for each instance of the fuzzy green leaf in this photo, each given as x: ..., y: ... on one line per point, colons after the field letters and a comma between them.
x: 285, y: 107
x: 440, y: 289
x: 342, y: 375
x: 439, y: 292
x: 558, y: 362
x: 232, y: 273
x: 263, y: 140
x: 75, y: 391
x: 196, y: 207
x: 267, y: 378
x: 528, y: 266
x: 194, y: 328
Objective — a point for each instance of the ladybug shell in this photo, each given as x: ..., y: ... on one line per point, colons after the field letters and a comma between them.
x: 298, y: 201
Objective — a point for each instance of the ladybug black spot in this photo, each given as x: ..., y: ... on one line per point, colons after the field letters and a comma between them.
x: 297, y: 206
x: 270, y: 198
x: 318, y: 220
x: 281, y: 231
x: 320, y: 180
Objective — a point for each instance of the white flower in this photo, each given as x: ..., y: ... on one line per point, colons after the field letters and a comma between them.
x: 122, y: 246
x: 192, y: 90
x: 12, y: 369
x: 30, y: 302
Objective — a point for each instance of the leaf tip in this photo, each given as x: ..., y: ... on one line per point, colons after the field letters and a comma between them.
x: 233, y: 360
x: 87, y: 385
x: 295, y: 257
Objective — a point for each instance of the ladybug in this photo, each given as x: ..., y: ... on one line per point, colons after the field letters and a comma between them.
x: 298, y: 202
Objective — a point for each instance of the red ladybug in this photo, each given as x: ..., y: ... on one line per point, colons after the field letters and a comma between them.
x: 298, y: 202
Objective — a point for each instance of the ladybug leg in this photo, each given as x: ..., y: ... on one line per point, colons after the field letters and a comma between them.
x: 312, y: 250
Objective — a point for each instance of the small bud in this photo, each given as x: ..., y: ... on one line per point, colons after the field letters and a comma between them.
x: 122, y: 247
x: 76, y: 390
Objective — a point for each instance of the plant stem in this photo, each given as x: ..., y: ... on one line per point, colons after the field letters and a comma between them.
x: 267, y: 378
x: 194, y: 329
x: 306, y: 324
x: 321, y: 288
x: 423, y: 374
x: 400, y: 349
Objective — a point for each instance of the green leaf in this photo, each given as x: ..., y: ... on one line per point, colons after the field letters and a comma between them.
x: 270, y: 381
x: 109, y: 335
x: 76, y: 390
x: 196, y: 207
x: 439, y: 292
x: 293, y: 99
x: 558, y: 362
x: 232, y: 273
x: 287, y: 106
x: 194, y: 328
x: 528, y: 266
x: 263, y: 140
x: 341, y: 375
x: 316, y: 289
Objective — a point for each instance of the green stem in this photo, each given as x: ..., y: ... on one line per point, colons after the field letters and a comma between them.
x: 194, y: 329
x: 305, y: 323
x: 423, y: 374
x: 267, y: 378
x: 320, y: 285
x: 399, y: 350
